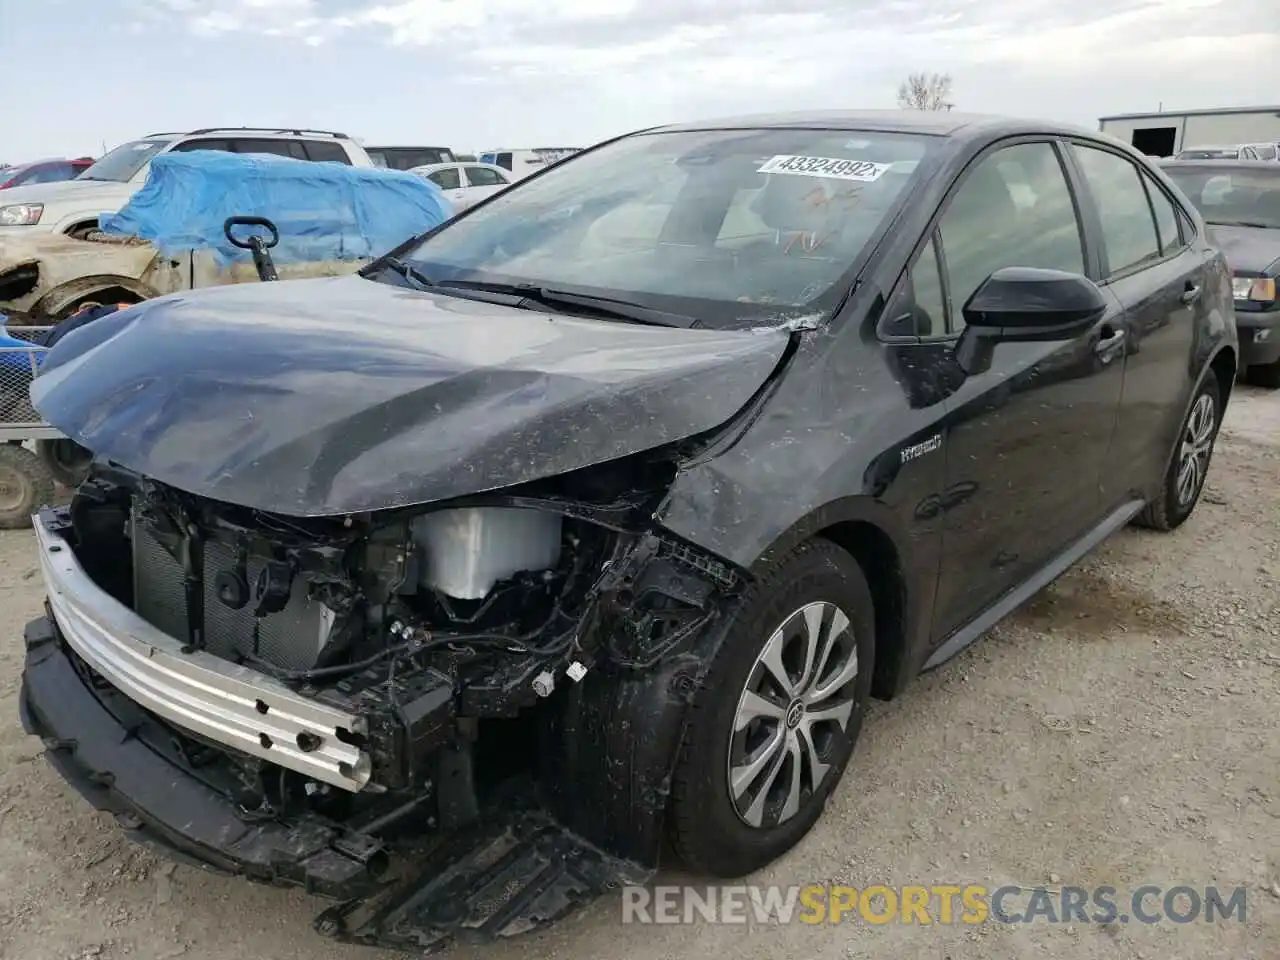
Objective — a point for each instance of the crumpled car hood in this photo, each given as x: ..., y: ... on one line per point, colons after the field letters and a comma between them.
x: 342, y: 395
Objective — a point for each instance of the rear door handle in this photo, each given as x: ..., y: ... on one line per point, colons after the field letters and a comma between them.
x: 1191, y: 294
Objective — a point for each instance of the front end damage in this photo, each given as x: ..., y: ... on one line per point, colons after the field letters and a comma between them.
x: 456, y: 720
x: 42, y: 276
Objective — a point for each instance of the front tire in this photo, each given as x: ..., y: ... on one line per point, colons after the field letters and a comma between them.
x: 773, y: 726
x: 1184, y: 480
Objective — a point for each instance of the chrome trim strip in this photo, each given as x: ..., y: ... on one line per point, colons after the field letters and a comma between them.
x: 197, y: 691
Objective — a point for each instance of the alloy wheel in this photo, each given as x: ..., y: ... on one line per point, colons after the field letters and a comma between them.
x: 1196, y: 449
x: 795, y: 706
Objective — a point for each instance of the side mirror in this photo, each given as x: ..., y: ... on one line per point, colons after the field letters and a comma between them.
x: 1022, y: 305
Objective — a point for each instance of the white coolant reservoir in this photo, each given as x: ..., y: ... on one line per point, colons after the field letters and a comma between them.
x: 466, y: 551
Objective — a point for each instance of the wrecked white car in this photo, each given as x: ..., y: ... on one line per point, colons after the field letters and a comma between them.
x: 172, y: 235
x: 48, y: 278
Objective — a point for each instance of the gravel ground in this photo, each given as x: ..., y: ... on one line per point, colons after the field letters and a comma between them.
x: 1120, y: 729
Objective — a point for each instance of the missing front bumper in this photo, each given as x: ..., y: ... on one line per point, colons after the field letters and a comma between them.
x: 229, y: 704
x: 512, y: 871
x: 158, y: 803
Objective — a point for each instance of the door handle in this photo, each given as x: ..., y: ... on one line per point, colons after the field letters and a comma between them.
x: 1191, y: 294
x: 1109, y: 341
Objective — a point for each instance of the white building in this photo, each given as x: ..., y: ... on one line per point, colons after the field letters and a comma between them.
x: 1164, y: 134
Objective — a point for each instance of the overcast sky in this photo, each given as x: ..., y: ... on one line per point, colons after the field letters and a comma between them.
x: 470, y: 74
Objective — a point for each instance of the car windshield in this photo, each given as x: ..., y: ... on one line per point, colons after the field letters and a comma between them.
x: 406, y: 158
x: 735, y: 227
x: 1232, y: 195
x: 124, y: 161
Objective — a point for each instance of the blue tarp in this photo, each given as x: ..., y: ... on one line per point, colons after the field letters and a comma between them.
x: 15, y: 354
x: 324, y: 211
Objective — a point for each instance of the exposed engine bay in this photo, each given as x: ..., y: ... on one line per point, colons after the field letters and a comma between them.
x: 456, y: 635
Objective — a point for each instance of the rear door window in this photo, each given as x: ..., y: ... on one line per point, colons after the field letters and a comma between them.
x: 484, y: 177
x: 446, y: 179
x: 1128, y: 224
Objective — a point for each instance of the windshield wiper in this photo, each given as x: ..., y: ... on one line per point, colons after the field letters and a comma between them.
x: 415, y: 276
x: 604, y: 306
x: 1240, y: 223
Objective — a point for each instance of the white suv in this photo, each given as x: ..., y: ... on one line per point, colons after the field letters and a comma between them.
x: 72, y: 206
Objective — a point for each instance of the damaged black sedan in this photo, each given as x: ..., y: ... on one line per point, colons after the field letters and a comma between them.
x: 596, y: 516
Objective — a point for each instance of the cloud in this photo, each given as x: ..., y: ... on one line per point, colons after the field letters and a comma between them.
x: 705, y: 53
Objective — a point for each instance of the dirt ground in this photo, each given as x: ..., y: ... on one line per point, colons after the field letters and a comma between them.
x: 1121, y: 729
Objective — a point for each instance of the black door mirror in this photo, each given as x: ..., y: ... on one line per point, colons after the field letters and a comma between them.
x: 1025, y: 304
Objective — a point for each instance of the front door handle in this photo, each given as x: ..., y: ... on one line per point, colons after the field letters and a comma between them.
x: 1108, y: 342
x: 1191, y: 294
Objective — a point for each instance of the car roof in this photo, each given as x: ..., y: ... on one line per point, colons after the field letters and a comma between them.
x: 942, y: 123
x: 1211, y: 146
x: 265, y: 133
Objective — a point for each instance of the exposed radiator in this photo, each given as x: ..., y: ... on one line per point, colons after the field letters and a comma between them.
x: 291, y: 639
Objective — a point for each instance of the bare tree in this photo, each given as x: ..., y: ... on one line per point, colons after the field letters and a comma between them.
x: 925, y: 91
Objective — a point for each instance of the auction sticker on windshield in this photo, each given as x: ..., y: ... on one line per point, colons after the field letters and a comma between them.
x: 863, y: 171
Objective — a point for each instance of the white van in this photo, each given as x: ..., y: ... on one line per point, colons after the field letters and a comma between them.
x: 523, y: 162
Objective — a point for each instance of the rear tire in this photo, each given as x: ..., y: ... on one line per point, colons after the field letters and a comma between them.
x: 1189, y: 467
x: 763, y: 751
x: 25, y: 486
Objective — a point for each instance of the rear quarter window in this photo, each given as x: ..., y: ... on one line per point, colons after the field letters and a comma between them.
x: 326, y: 151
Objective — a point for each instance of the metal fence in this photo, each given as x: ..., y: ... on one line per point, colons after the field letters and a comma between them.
x: 18, y: 367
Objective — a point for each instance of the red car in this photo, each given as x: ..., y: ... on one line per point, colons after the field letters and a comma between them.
x: 43, y: 171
